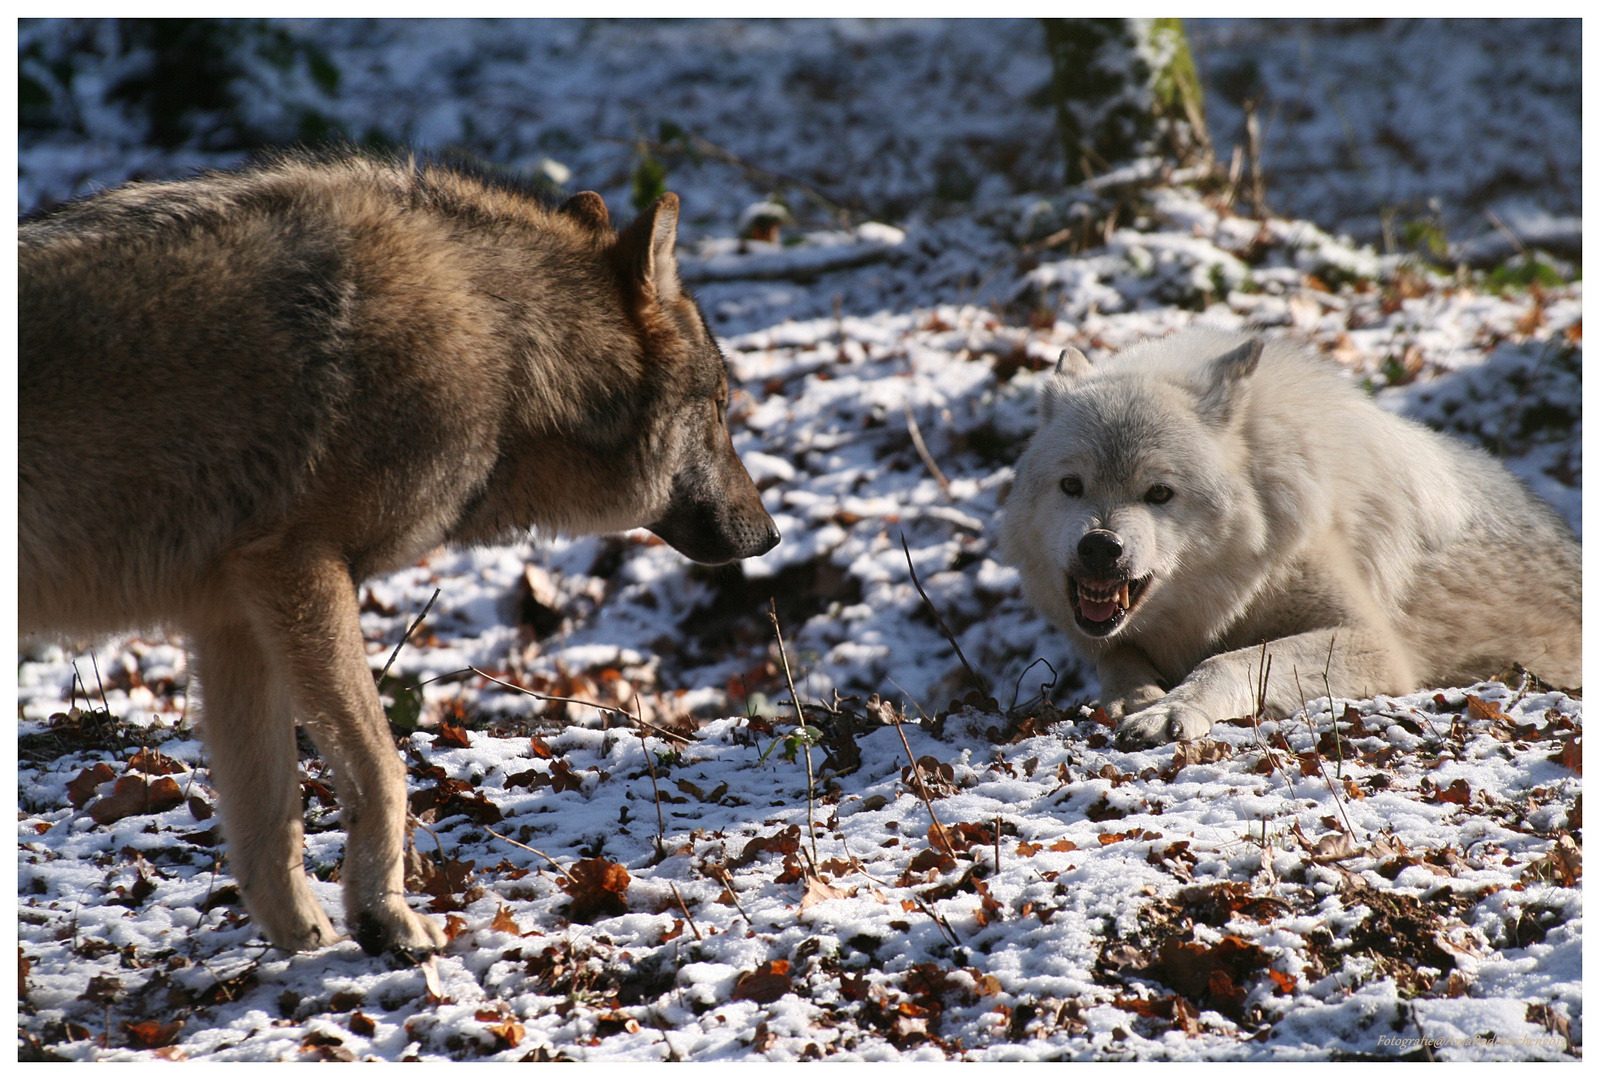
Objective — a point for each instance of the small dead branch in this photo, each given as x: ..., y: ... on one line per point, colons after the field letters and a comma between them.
x: 1016, y: 690
x: 726, y: 878
x: 661, y: 822
x: 637, y: 719
x: 977, y: 679
x: 524, y: 847
x: 405, y: 637
x: 801, y: 734
x: 922, y: 450
x: 685, y: 909
x: 922, y: 788
x: 1252, y: 142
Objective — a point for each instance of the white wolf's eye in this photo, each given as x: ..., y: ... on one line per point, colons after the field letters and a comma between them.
x: 1158, y: 493
x: 1071, y: 485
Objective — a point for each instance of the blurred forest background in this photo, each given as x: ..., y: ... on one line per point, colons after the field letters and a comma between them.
x: 1412, y: 133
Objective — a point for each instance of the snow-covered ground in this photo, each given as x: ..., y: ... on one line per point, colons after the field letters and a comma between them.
x: 1279, y: 893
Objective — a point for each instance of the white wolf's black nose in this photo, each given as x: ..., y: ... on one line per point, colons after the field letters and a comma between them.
x: 1100, y: 549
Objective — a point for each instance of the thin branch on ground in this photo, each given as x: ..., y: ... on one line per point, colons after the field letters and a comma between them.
x: 922, y: 450
x: 525, y: 847
x: 661, y: 822
x: 922, y: 789
x: 685, y: 909
x: 805, y: 739
x: 977, y: 679
x: 405, y: 637
x: 595, y: 705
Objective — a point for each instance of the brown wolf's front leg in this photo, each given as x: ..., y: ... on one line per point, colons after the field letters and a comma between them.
x: 249, y: 737
x: 307, y: 601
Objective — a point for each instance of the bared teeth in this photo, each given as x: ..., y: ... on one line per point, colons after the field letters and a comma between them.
x: 1122, y: 594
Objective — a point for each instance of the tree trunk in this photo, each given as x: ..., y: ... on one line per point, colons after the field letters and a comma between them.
x: 1124, y: 89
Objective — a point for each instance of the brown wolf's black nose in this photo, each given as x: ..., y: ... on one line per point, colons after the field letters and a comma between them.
x: 1100, y: 549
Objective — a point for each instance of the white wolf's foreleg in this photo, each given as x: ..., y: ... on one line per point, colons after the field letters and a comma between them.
x: 1128, y: 681
x: 307, y: 602
x: 1363, y: 662
x: 249, y: 737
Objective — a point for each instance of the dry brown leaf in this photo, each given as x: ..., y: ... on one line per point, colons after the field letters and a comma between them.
x: 149, y: 1034
x: 82, y: 788
x: 133, y: 794
x: 1479, y: 709
x: 765, y: 984
x: 599, y: 889
x: 1333, y: 847
x: 1570, y: 754
x: 818, y: 890
x: 449, y: 735
x: 504, y: 922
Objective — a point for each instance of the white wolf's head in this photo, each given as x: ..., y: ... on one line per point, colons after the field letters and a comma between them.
x: 1134, y: 472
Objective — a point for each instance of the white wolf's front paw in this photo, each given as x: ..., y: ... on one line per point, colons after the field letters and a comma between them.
x: 1167, y: 720
x: 1127, y: 704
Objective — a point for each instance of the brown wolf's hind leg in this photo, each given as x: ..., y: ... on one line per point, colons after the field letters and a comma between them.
x: 249, y: 736
x: 307, y: 601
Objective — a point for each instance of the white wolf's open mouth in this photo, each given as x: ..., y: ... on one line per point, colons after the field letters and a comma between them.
x: 1101, y: 606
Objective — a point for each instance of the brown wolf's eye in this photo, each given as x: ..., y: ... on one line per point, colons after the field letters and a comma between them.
x: 1071, y: 485
x: 1159, y: 493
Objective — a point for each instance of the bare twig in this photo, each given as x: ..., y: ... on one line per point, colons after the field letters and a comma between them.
x: 661, y: 823
x: 653, y: 729
x: 412, y: 629
x: 977, y: 679
x: 922, y: 450
x: 1327, y: 669
x: 922, y: 789
x: 1505, y: 230
x: 1016, y: 690
x: 1259, y: 711
x: 104, y: 704
x: 805, y: 740
x: 525, y: 847
x: 727, y: 883
x: 1252, y: 142
x: 685, y: 909
x: 923, y: 712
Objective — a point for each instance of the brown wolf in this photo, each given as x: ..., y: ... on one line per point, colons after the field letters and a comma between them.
x: 242, y: 394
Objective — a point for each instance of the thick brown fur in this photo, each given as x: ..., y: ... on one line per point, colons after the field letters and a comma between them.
x: 244, y: 393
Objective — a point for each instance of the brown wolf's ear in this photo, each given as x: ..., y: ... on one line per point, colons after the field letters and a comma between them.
x: 644, y: 250
x: 589, y: 208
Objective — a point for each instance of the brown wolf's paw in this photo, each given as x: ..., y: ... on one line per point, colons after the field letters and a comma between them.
x: 1164, y: 722
x: 400, y: 930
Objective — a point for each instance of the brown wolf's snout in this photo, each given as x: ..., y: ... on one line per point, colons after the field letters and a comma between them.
x: 716, y: 515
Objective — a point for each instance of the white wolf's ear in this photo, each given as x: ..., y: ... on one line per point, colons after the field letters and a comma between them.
x: 1072, y: 363
x: 1228, y: 373
x: 1071, y: 366
x: 589, y: 208
x: 645, y: 250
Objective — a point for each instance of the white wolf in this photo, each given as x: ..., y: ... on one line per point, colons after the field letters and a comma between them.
x: 1195, y: 496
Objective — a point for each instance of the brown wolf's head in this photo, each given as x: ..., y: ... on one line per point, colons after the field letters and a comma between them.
x: 713, y: 512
